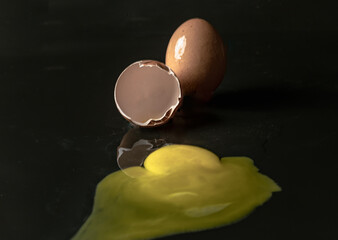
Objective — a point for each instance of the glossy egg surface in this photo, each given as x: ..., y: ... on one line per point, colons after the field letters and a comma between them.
x: 197, y: 56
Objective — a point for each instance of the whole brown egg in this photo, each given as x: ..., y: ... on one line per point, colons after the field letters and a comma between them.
x: 197, y: 56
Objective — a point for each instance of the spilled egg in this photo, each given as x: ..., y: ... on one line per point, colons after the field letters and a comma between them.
x: 181, y: 188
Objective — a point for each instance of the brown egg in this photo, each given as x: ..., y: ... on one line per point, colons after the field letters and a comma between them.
x: 147, y: 93
x: 197, y: 56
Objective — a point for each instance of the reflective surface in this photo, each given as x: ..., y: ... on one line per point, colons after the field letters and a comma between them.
x: 135, y: 155
x: 59, y: 128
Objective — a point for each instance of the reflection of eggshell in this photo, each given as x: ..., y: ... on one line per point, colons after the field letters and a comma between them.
x: 197, y: 56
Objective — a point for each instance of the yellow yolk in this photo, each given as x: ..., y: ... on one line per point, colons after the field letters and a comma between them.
x: 181, y: 188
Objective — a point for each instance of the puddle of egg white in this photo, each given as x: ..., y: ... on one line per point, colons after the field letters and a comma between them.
x: 181, y: 188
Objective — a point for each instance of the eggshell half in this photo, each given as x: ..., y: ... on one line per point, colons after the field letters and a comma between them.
x: 147, y: 93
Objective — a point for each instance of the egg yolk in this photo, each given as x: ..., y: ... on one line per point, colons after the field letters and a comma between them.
x: 180, y: 188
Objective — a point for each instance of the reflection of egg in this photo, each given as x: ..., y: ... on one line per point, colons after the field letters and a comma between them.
x: 197, y: 56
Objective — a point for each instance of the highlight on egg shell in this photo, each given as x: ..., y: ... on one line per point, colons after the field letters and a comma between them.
x: 147, y: 93
x: 197, y: 56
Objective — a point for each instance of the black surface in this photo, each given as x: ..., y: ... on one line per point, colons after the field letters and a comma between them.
x: 59, y: 128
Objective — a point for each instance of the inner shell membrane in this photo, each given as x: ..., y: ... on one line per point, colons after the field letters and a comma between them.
x: 146, y: 92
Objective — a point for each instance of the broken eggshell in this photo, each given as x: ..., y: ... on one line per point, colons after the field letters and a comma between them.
x: 147, y: 93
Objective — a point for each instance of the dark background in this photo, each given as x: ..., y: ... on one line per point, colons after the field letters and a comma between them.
x: 59, y: 127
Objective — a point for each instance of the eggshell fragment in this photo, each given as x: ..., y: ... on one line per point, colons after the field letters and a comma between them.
x: 147, y: 93
x: 197, y: 56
